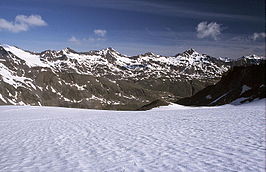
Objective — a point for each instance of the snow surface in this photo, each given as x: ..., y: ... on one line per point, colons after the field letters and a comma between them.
x: 30, y: 59
x: 174, y: 138
x: 11, y: 78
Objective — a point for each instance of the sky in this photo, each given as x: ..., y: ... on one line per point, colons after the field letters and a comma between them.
x: 221, y: 28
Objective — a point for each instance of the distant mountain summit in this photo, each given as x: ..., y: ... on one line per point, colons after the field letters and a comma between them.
x: 188, y: 53
x: 253, y: 57
x: 105, y: 79
x: 248, y: 60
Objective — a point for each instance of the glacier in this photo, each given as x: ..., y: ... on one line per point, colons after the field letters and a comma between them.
x: 170, y: 138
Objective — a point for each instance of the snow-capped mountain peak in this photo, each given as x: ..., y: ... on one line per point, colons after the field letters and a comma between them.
x: 253, y: 57
x: 189, y: 53
x: 108, y: 50
x: 31, y: 59
x: 69, y: 50
x: 149, y: 54
x: 225, y: 59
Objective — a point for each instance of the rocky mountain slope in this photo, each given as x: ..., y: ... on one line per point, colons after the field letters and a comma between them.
x: 105, y: 79
x: 239, y: 85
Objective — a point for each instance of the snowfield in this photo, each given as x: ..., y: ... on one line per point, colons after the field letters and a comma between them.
x: 174, y: 138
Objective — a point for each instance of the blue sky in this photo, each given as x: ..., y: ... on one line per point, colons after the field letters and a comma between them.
x: 219, y: 28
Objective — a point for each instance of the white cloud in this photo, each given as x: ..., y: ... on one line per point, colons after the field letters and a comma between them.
x: 74, y: 40
x: 257, y: 36
x: 33, y: 20
x: 95, y: 39
x: 99, y: 35
x: 21, y: 23
x: 211, y: 29
x: 100, y: 32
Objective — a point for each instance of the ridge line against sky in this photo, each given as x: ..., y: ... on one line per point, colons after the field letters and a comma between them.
x: 219, y: 28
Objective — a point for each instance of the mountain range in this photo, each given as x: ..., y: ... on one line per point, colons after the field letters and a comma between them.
x: 107, y: 79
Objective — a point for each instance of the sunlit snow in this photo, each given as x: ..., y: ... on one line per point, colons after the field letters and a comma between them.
x: 30, y: 59
x: 173, y: 138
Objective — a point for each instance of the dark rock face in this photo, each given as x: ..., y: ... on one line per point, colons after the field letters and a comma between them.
x: 153, y: 104
x: 239, y: 85
x: 103, y: 79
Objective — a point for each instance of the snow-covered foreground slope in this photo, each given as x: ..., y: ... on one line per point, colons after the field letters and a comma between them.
x: 227, y: 138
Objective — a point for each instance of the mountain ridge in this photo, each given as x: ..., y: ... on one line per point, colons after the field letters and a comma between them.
x: 239, y: 85
x: 188, y: 51
x: 104, y: 79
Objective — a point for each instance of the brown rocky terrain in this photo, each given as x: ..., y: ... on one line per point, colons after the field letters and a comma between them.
x: 239, y: 85
x: 104, y: 79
